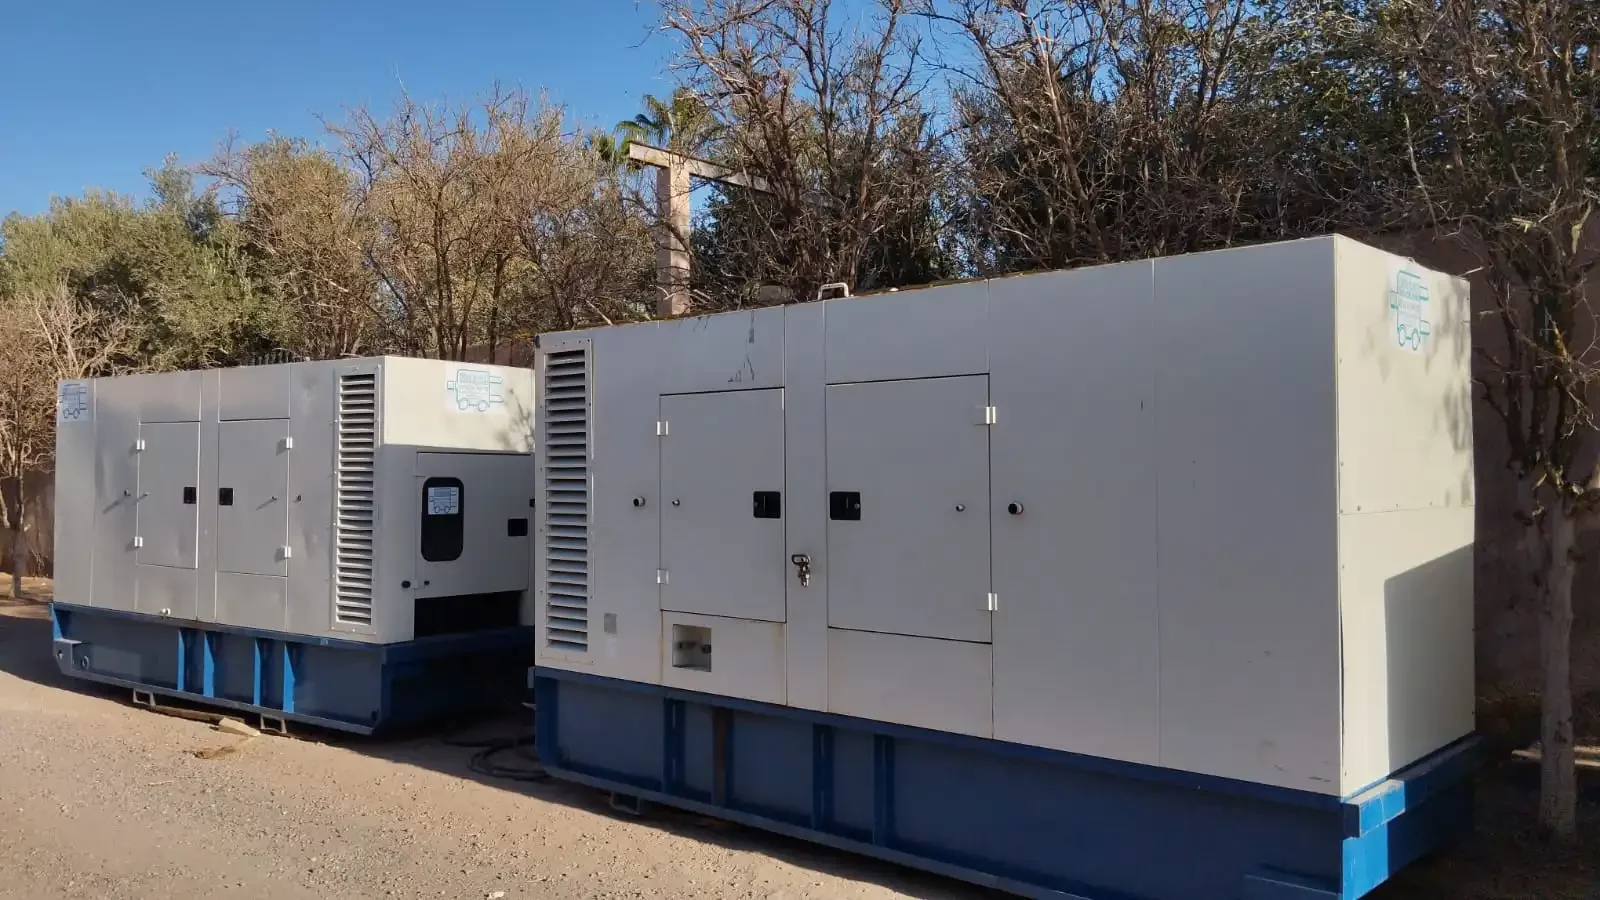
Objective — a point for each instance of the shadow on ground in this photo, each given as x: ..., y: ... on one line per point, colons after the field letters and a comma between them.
x: 436, y: 752
x: 1503, y: 860
x: 25, y: 654
x: 25, y: 641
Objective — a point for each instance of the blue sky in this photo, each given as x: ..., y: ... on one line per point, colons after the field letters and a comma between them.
x: 92, y: 93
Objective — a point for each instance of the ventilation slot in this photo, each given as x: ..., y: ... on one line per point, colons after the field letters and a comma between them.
x: 353, y: 514
x: 564, y: 444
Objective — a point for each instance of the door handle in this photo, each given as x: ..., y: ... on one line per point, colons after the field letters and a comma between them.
x: 802, y: 568
x: 768, y: 505
x: 844, y: 506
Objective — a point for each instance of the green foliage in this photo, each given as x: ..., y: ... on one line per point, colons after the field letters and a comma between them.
x: 301, y: 239
x: 449, y: 233
x: 732, y: 258
x: 682, y: 123
x: 171, y: 266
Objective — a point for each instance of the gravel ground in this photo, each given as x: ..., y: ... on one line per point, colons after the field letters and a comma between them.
x: 102, y: 799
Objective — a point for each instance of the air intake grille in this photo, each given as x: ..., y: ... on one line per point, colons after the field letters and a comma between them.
x: 564, y: 436
x: 353, y: 508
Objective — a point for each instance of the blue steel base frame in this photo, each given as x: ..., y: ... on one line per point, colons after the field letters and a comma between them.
x: 1039, y: 823
x: 343, y: 685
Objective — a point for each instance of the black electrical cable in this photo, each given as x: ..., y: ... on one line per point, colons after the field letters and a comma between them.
x: 483, y: 762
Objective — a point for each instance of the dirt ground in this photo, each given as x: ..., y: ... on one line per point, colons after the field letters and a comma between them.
x: 102, y: 799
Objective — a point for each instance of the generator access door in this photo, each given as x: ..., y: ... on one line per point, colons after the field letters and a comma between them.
x: 168, y: 510
x: 722, y: 504
x: 253, y: 497
x: 908, y: 507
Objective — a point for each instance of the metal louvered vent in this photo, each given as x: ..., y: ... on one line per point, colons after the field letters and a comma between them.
x: 353, y: 502
x: 564, y: 444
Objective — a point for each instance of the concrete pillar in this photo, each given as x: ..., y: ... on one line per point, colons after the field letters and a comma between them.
x: 672, y: 238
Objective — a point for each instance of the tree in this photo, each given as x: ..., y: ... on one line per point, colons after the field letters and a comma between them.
x: 681, y: 124
x: 52, y: 335
x: 171, y: 266
x: 424, y: 176
x: 295, y: 209
x: 830, y: 117
x: 1092, y: 132
x: 487, y: 223
x: 588, y: 257
x: 1500, y: 100
x: 24, y: 433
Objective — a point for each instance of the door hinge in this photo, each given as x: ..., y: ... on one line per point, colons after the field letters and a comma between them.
x: 288, y: 443
x: 138, y: 445
x: 661, y: 429
x: 137, y: 542
x: 994, y: 602
x: 986, y: 415
x: 661, y: 576
x: 285, y: 551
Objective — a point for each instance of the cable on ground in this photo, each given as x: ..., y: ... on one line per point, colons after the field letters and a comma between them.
x: 528, y: 769
x: 485, y: 762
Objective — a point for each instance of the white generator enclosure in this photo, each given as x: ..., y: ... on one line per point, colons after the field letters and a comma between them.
x: 1211, y: 513
x: 371, y: 500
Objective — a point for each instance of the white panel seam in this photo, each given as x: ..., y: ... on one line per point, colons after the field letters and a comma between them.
x: 1338, y: 528
x: 1155, y: 433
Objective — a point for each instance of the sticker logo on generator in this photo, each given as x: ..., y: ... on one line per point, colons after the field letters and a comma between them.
x: 475, y: 390
x: 1408, y: 300
x: 72, y: 401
